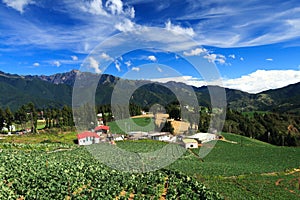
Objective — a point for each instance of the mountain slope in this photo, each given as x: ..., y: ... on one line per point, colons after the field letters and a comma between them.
x: 56, y: 90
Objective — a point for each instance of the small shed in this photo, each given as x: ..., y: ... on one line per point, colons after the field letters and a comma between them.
x: 160, y: 136
x: 87, y: 138
x: 190, y: 143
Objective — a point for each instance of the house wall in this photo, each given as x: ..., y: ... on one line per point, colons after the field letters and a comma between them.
x: 88, y: 141
x: 191, y: 145
x: 161, y: 138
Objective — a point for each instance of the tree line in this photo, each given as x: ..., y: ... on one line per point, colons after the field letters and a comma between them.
x: 281, y: 129
x: 29, y: 114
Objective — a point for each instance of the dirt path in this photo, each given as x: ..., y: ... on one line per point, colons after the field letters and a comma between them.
x: 196, y: 155
x: 58, y: 150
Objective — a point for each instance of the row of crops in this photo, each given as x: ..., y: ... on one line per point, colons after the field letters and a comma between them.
x: 76, y: 174
x: 37, y: 147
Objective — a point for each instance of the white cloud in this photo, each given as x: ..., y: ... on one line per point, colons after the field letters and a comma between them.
x: 131, y: 12
x: 262, y: 80
x: 18, y: 5
x: 136, y: 69
x: 195, y: 52
x: 232, y: 56
x: 178, y: 29
x: 225, y: 24
x: 36, y: 64
x: 57, y: 63
x: 74, y: 58
x: 105, y: 56
x: 241, y: 58
x: 94, y: 64
x: 94, y: 7
x: 152, y: 58
x: 159, y: 69
x: 215, y: 58
x: 126, y: 26
x: 255, y: 82
x: 128, y: 63
x: 118, y: 65
x: 269, y: 59
x: 114, y: 6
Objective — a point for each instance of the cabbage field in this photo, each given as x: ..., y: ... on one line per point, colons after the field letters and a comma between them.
x: 245, y: 169
x: 75, y: 174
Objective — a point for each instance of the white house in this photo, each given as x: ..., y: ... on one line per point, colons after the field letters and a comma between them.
x: 87, y: 138
x: 203, y: 137
x: 190, y: 143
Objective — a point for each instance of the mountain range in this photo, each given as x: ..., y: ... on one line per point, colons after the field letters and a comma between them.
x: 56, y: 91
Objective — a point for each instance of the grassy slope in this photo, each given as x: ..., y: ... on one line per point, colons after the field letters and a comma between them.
x: 65, y: 138
x: 248, y: 169
x: 132, y: 124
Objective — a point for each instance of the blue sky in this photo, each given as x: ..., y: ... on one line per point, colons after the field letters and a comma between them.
x: 255, y: 45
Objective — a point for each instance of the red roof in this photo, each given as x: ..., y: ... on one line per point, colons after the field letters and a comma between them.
x: 87, y: 134
x: 102, y: 127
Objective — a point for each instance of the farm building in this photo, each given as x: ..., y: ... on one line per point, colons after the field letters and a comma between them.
x: 161, y: 136
x: 118, y: 137
x: 203, y: 137
x: 101, y: 129
x: 87, y: 138
x: 135, y: 135
x: 190, y: 143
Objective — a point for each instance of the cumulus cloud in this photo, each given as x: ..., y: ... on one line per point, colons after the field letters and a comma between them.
x: 262, y: 80
x: 232, y: 56
x: 152, y: 58
x: 74, y: 58
x: 116, y: 7
x: 128, y: 63
x: 36, y: 64
x: 178, y: 29
x: 195, y: 52
x: 105, y: 56
x: 211, y: 57
x: 258, y: 81
x: 57, y: 63
x: 18, y: 5
x: 126, y: 26
x: 94, y: 64
x: 269, y: 59
x: 215, y: 58
x: 94, y: 7
x: 136, y: 69
x: 241, y: 58
x: 118, y: 65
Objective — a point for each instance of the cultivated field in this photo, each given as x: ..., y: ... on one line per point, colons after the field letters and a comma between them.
x: 238, y: 168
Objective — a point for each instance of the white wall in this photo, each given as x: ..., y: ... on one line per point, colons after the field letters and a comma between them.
x: 88, y: 141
